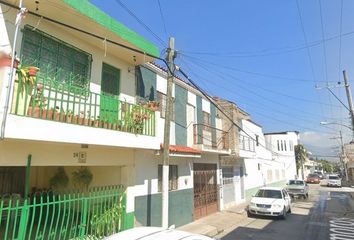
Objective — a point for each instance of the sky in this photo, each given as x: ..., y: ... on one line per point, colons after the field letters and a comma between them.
x: 272, y: 58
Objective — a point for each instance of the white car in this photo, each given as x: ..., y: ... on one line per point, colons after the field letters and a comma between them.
x: 334, y: 180
x: 270, y: 201
x: 155, y: 233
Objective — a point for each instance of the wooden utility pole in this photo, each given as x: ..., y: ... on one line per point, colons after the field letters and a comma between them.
x: 166, y: 143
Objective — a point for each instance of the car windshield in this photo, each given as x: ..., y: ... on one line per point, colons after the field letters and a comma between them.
x: 333, y: 177
x: 313, y: 176
x: 296, y: 182
x: 266, y: 193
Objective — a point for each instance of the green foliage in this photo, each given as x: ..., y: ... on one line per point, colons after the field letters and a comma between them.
x: 60, y: 179
x: 82, y: 178
x: 110, y: 221
x: 300, y: 155
x: 327, y: 166
x: 26, y: 81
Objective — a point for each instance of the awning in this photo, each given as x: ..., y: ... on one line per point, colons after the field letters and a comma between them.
x: 179, y: 150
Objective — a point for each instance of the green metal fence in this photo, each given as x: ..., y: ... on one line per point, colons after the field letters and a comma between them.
x: 93, y: 215
x: 61, y: 99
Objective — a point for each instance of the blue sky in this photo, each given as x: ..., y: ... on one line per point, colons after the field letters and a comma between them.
x: 254, y: 53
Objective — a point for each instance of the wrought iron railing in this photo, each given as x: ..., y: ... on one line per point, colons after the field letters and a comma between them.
x: 76, y: 215
x: 62, y: 101
x: 211, y: 137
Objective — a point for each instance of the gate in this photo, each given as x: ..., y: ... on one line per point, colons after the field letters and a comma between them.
x: 205, y: 190
x: 75, y: 215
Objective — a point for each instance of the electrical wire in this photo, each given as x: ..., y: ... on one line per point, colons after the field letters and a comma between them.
x: 162, y: 18
x: 162, y: 42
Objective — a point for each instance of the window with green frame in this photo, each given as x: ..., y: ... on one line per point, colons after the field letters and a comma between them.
x: 56, y: 59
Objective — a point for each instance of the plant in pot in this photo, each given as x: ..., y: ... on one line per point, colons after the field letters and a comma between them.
x: 153, y: 105
x: 60, y: 180
x: 82, y: 178
x: 37, y: 105
x: 25, y: 81
x: 139, y: 116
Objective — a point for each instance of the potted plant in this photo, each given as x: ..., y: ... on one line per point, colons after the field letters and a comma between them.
x: 82, y: 178
x: 59, y: 180
x: 25, y: 81
x: 37, y: 105
x: 153, y: 105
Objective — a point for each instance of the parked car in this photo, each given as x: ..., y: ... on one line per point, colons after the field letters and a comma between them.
x: 334, y: 180
x: 313, y: 178
x: 270, y: 201
x: 298, y: 188
x: 155, y: 233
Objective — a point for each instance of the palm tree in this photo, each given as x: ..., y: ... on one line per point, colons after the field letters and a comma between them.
x: 300, y: 156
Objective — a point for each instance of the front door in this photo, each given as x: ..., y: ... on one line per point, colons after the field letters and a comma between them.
x: 109, y: 103
x: 205, y: 189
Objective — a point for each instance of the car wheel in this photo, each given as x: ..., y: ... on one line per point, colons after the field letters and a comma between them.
x: 249, y: 214
x: 289, y: 211
x: 307, y: 195
x: 283, y: 216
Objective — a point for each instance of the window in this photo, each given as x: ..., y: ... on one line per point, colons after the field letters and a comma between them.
x: 172, y: 177
x: 282, y: 146
x: 285, y: 145
x: 257, y: 140
x: 278, y: 145
x: 206, y: 121
x: 291, y: 145
x: 227, y: 175
x: 56, y: 58
x: 269, y: 175
x: 161, y: 98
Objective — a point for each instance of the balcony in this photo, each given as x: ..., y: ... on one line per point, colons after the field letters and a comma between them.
x: 210, y: 138
x: 65, y: 102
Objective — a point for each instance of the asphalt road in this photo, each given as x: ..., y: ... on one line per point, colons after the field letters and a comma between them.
x: 328, y: 214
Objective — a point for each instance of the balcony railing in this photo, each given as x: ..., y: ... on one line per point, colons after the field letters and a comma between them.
x: 210, y: 137
x: 247, y: 144
x: 54, y: 100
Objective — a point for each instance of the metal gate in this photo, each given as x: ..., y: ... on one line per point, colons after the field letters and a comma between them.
x: 75, y: 215
x: 205, y: 190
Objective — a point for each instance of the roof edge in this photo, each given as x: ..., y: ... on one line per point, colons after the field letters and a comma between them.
x: 91, y: 11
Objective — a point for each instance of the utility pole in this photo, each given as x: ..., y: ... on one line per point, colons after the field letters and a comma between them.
x: 166, y: 143
x: 350, y: 101
x: 342, y: 157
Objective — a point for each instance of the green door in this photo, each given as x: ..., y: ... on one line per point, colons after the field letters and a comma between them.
x: 109, y: 103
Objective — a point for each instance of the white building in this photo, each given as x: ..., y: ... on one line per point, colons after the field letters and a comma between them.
x: 282, y: 145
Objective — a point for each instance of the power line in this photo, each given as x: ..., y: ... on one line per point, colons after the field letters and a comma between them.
x: 266, y: 89
x: 266, y: 116
x: 323, y: 42
x: 249, y: 72
x: 162, y: 42
x: 85, y: 32
x: 162, y: 18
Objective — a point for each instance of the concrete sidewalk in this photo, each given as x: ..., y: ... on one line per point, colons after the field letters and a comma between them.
x: 216, y: 223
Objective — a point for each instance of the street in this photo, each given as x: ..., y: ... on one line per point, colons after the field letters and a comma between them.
x: 328, y: 213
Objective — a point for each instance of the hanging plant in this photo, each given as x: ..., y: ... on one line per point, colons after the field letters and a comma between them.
x: 59, y: 180
x: 82, y: 178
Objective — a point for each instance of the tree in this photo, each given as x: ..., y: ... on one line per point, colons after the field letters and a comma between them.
x: 300, y: 156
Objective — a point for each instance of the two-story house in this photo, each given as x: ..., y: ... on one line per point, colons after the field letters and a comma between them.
x: 80, y: 110
x: 197, y: 140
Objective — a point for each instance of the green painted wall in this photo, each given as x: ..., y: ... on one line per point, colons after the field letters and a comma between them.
x: 146, y: 83
x: 181, y: 96
x: 148, y: 208
x: 213, y: 124
x: 200, y: 119
x: 252, y: 191
x: 129, y: 220
x: 88, y: 9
